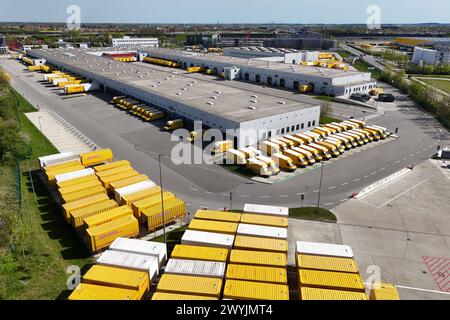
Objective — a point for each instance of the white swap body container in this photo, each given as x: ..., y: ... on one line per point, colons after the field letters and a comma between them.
x: 261, y: 231
x: 74, y: 175
x: 130, y: 261
x: 148, y: 248
x: 121, y: 192
x: 207, y: 239
x: 324, y: 249
x: 57, y: 158
x: 267, y: 210
x: 210, y: 269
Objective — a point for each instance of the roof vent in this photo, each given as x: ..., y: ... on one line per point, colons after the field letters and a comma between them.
x: 179, y: 93
x: 189, y: 84
x: 210, y: 103
x: 253, y: 101
x: 218, y: 92
x: 154, y: 86
x: 281, y: 102
x: 252, y: 108
x: 184, y: 89
x: 214, y: 97
x: 254, y: 96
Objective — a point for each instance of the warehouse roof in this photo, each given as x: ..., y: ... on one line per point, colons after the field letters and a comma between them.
x: 234, y: 103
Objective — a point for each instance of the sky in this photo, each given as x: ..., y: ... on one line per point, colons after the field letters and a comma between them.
x: 227, y: 11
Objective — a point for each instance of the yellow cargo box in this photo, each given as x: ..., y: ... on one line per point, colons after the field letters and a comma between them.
x: 260, y: 244
x: 112, y: 165
x: 127, y: 181
x: 173, y: 209
x: 75, y: 205
x: 61, y: 165
x: 306, y: 293
x: 83, y: 194
x: 326, y: 263
x: 203, y: 286
x: 270, y: 221
x: 384, y: 291
x: 129, y: 199
x: 118, y: 278
x: 51, y: 174
x: 85, y: 291
x: 247, y: 290
x: 114, y: 171
x: 77, y: 217
x: 258, y: 258
x: 330, y: 280
x: 218, y: 215
x: 140, y: 205
x: 106, y: 181
x: 182, y: 251
x: 107, y: 216
x: 72, y: 182
x: 176, y: 296
x: 255, y: 273
x: 103, y: 235
x: 96, y: 157
x: 213, y: 226
x: 78, y: 187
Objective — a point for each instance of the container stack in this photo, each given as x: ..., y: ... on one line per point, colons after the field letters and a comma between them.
x: 124, y: 272
x: 328, y: 272
x: 197, y: 266
x: 383, y: 291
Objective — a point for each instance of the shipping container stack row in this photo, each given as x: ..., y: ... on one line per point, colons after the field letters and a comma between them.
x: 137, y: 108
x: 104, y: 200
x: 231, y: 256
x: 124, y: 272
x: 329, y: 272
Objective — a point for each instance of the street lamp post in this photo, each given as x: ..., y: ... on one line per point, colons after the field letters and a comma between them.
x: 320, y: 188
x: 162, y: 198
x: 42, y: 133
x: 231, y: 200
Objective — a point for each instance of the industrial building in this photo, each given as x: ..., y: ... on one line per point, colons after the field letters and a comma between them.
x: 3, y: 47
x: 439, y: 55
x: 253, y: 116
x: 135, y: 42
x: 325, y: 81
x: 292, y: 56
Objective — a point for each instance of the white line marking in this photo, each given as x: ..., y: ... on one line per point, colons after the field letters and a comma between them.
x: 420, y: 289
x: 331, y: 187
x: 344, y: 184
x: 328, y: 204
x: 398, y: 161
x: 209, y: 192
x: 344, y: 200
x: 315, y: 191
x: 245, y: 196
x: 356, y: 180
x: 193, y: 189
x: 283, y: 196
x: 264, y: 196
x: 373, y: 173
x: 399, y: 195
x: 366, y: 176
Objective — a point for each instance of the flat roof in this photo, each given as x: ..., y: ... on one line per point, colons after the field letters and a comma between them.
x: 215, y: 97
x: 268, y: 65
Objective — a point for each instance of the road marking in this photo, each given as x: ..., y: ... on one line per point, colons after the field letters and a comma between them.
x: 382, y: 169
x: 404, y: 192
x: 420, y: 289
x: 398, y: 161
x: 344, y: 200
x: 331, y: 187
x: 344, y: 184
x: 356, y: 180
x: 245, y: 196
x: 366, y: 176
x: 283, y: 196
x: 209, y: 192
x: 264, y: 196
x: 373, y: 173
x: 328, y: 204
x: 193, y: 189
x: 315, y: 191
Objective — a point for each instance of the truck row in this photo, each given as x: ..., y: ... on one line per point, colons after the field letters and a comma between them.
x: 293, y: 151
x: 103, y: 200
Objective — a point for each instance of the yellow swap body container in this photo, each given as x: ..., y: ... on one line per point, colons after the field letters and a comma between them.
x: 72, y: 182
x: 258, y: 258
x: 118, y: 278
x: 255, y: 273
x: 84, y: 194
x: 218, y: 215
x: 260, y: 244
x: 62, y: 165
x: 52, y: 173
x: 213, y: 226
x: 85, y: 291
x: 127, y: 181
x: 182, y: 251
x: 129, y: 199
x: 140, y: 205
x: 75, y: 205
x: 270, y: 221
x: 78, y: 187
x: 176, y: 296
x: 113, y: 172
x: 112, y: 165
x: 107, y: 216
x: 203, y: 286
x: 326, y: 263
x: 96, y: 157
x: 173, y: 209
x: 77, y: 217
x: 118, y: 176
x: 307, y: 293
x: 247, y: 290
x: 331, y: 280
x: 384, y: 291
x: 103, y: 235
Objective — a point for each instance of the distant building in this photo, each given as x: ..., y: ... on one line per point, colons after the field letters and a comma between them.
x: 3, y: 46
x: 135, y: 42
x: 439, y: 55
x: 34, y: 46
x: 206, y: 40
x: 292, y: 56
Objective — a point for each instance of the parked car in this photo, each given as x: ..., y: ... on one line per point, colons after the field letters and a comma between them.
x: 360, y: 97
x: 386, y: 97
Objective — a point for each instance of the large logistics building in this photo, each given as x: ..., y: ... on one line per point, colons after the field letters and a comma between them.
x: 176, y: 92
x: 326, y: 81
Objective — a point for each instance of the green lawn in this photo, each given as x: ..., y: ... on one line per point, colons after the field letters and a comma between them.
x: 440, y: 84
x: 364, y: 67
x: 325, y: 120
x: 44, y: 244
x: 324, y: 98
x: 311, y: 213
x: 344, y: 54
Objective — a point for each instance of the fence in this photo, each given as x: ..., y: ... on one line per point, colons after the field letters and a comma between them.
x: 381, y: 183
